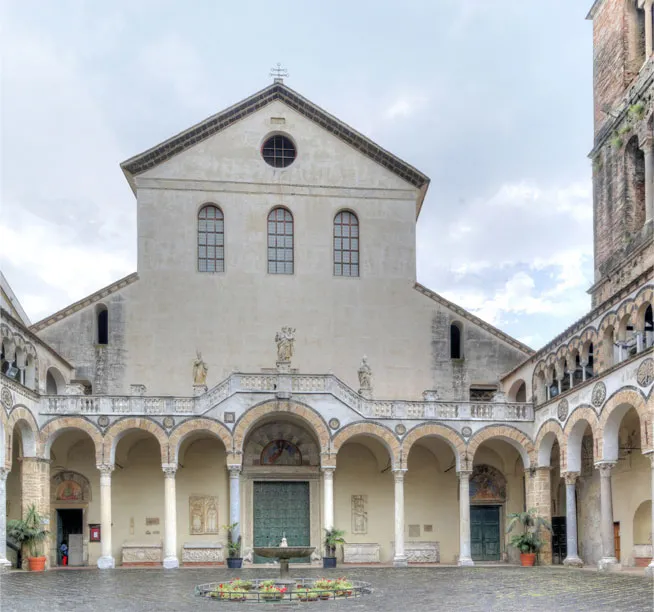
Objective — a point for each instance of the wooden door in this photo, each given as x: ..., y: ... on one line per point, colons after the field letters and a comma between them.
x: 616, y: 539
x: 559, y: 542
x: 485, y: 533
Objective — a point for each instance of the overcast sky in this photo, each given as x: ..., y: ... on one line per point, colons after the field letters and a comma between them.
x: 491, y: 99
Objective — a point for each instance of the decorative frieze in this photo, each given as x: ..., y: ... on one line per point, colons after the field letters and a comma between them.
x: 361, y: 553
x: 146, y: 553
x: 205, y: 553
x: 422, y: 552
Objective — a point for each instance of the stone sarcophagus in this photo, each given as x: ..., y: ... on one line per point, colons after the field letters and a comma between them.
x: 422, y: 552
x: 361, y: 553
x: 202, y: 553
x: 142, y: 553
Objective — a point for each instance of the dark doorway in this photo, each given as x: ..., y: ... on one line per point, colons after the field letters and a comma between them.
x: 485, y: 533
x: 559, y: 542
x: 70, y: 529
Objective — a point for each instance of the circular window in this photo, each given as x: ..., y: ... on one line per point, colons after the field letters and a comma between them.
x: 279, y: 151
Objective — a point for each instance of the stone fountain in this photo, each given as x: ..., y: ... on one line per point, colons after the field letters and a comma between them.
x: 284, y: 553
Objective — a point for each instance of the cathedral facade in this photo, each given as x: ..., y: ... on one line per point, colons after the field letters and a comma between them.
x: 273, y: 362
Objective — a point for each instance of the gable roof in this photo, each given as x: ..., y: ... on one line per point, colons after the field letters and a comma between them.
x: 277, y: 91
x: 464, y: 314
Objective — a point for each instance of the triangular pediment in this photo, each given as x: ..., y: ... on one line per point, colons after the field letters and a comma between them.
x: 211, y: 126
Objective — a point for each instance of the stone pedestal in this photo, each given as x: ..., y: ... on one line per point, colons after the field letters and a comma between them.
x: 199, y: 390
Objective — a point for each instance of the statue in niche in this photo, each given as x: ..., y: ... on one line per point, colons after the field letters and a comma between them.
x: 285, y: 339
x: 199, y: 370
x: 365, y: 375
x: 359, y: 514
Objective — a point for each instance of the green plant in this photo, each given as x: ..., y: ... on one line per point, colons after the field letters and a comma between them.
x: 617, y: 142
x: 29, y: 531
x: 266, y: 583
x: 233, y: 545
x: 529, y: 541
x: 625, y: 129
x: 637, y: 110
x: 333, y: 537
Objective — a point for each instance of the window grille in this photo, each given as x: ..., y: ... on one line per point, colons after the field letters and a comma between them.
x: 279, y: 151
x: 211, y: 239
x: 346, y: 244
x: 280, y: 241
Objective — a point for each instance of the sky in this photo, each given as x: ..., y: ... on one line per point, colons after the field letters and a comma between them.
x: 490, y: 99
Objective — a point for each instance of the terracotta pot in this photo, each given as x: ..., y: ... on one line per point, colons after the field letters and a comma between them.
x: 527, y: 559
x: 37, y: 564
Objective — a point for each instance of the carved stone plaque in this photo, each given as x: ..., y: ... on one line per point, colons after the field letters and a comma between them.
x: 645, y: 374
x: 562, y: 411
x: 203, y: 514
x: 360, y: 514
x: 599, y: 394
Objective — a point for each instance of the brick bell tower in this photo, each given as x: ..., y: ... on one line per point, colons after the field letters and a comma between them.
x: 622, y: 155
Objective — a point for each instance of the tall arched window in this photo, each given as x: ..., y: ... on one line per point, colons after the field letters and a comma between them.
x: 280, y: 241
x: 211, y: 239
x: 346, y: 244
x: 102, y: 316
x: 456, y: 346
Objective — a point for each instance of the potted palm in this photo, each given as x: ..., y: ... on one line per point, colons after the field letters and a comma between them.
x: 529, y: 541
x: 30, y: 533
x: 234, y: 559
x: 333, y: 537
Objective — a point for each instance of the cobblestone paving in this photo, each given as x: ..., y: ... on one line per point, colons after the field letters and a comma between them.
x: 415, y: 589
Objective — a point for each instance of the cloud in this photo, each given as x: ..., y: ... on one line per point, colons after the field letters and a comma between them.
x: 405, y: 105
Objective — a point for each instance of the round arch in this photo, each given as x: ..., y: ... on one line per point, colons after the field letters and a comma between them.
x: 373, y: 430
x: 202, y: 425
x: 549, y: 432
x: 271, y: 407
x: 513, y: 436
x: 121, y: 427
x: 573, y: 433
x: 54, y: 381
x: 612, y: 413
x: 22, y: 418
x: 451, y: 437
x: 53, y: 429
x: 515, y: 390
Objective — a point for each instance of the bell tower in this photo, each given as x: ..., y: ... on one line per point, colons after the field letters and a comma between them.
x: 623, y: 151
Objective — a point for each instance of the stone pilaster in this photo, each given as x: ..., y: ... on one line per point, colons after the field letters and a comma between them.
x: 106, y: 560
x: 35, y: 487
x: 608, y: 560
x: 4, y: 563
x: 539, y: 496
x: 465, y: 557
x: 572, y: 558
x: 170, y: 528
x: 399, y: 560
x: 650, y: 568
x: 235, y: 499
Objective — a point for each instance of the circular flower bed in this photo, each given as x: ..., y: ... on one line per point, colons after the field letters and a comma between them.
x: 300, y: 589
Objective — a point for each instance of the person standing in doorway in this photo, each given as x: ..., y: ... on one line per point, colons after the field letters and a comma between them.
x: 64, y: 553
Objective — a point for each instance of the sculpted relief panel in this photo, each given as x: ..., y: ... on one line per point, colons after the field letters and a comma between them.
x: 359, y: 514
x: 203, y: 514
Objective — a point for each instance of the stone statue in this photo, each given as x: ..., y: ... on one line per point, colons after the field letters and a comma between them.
x: 283, y: 543
x: 199, y: 370
x: 365, y: 375
x: 285, y: 340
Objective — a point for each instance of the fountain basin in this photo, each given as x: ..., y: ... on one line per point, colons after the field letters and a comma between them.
x: 284, y: 552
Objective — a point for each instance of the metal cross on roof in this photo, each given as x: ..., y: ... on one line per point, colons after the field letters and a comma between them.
x: 278, y: 73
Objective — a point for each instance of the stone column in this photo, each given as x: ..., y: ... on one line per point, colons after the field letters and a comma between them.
x: 650, y: 568
x: 399, y: 560
x: 328, y: 494
x: 35, y: 488
x: 235, y: 499
x: 640, y: 337
x: 572, y: 558
x: 539, y: 497
x: 4, y: 563
x: 647, y: 8
x: 648, y: 150
x: 584, y: 365
x: 106, y: 560
x: 465, y: 558
x: 608, y: 560
x: 170, y: 532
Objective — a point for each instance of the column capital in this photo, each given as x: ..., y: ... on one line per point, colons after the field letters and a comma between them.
x: 328, y: 471
x: 605, y: 468
x: 399, y: 475
x: 570, y: 477
x: 234, y: 470
x: 105, y: 468
x: 35, y: 459
x: 169, y: 470
x: 464, y: 474
x: 4, y: 472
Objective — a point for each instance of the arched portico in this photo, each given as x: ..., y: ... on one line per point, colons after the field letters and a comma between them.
x: 53, y: 429
x: 516, y: 438
x: 195, y: 427
x: 549, y: 433
x: 121, y: 427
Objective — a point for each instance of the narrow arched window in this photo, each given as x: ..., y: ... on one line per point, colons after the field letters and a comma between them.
x: 456, y: 349
x: 346, y: 244
x: 103, y: 325
x: 280, y: 241
x: 211, y: 239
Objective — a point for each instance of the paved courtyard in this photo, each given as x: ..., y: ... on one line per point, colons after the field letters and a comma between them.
x: 433, y: 589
